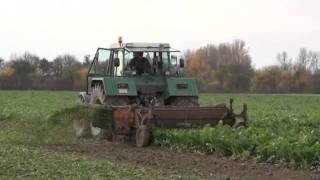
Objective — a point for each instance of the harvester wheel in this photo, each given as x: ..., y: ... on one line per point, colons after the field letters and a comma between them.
x: 82, y: 100
x: 97, y: 97
x: 82, y: 128
x: 143, y: 136
x: 240, y: 125
x: 229, y: 121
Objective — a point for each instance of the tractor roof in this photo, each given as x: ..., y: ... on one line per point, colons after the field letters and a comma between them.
x: 134, y: 47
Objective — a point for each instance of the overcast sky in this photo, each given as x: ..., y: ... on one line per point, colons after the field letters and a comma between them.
x: 52, y: 27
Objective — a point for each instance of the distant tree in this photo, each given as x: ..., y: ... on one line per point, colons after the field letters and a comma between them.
x: 226, y: 67
x: 7, y: 72
x: 302, y: 80
x: 45, y: 67
x: 1, y: 62
x: 7, y: 75
x: 316, y: 82
x: 284, y: 60
x: 313, y: 61
x: 22, y: 66
x: 25, y: 67
x: 66, y: 67
x: 267, y: 80
x: 302, y: 59
x: 86, y: 61
x: 57, y: 67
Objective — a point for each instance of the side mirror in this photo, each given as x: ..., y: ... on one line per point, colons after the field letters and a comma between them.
x: 174, y: 60
x: 182, y: 63
x: 116, y: 62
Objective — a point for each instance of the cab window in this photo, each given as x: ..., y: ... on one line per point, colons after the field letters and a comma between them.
x: 101, y: 61
x: 118, y: 71
x: 165, y: 61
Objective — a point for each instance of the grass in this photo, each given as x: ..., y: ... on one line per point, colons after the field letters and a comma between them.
x: 282, y: 128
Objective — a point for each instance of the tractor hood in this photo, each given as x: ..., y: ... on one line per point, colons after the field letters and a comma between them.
x: 168, y: 86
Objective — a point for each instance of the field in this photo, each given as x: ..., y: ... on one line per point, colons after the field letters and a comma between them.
x: 37, y: 142
x: 281, y: 129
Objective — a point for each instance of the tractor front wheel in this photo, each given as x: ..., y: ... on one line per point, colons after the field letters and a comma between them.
x: 97, y: 95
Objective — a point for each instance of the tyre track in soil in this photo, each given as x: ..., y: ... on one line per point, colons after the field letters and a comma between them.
x: 186, y: 162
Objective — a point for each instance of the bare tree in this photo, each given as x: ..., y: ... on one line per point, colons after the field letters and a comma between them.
x: 314, y: 61
x: 302, y: 59
x: 1, y: 62
x: 86, y: 61
x: 226, y: 67
x: 284, y: 60
x: 44, y: 66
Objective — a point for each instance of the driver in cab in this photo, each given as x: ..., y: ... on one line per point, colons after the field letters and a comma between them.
x: 139, y: 63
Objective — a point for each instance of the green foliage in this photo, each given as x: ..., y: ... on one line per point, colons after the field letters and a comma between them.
x: 281, y: 129
x: 22, y: 162
x: 25, y: 115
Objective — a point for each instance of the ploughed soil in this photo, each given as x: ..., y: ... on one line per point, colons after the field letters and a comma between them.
x: 207, y: 166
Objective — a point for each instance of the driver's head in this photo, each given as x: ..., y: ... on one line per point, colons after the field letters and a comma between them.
x: 138, y: 54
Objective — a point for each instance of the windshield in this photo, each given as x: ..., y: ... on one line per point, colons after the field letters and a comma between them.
x: 121, y: 62
x: 155, y: 63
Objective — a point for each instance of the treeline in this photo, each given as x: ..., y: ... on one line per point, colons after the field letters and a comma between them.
x: 299, y: 75
x: 28, y: 71
x: 227, y: 67
x: 223, y: 68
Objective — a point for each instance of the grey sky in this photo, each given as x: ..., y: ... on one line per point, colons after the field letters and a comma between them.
x: 49, y: 28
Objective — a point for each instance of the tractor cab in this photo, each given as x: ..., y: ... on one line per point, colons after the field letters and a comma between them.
x: 159, y: 60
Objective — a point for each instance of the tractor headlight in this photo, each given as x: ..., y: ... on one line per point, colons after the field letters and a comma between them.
x: 123, y: 88
x: 182, y: 86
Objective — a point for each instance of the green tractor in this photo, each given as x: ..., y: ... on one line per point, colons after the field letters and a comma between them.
x: 143, y: 86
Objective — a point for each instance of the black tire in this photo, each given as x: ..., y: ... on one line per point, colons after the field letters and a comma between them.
x: 241, y: 125
x: 143, y: 136
x: 82, y: 100
x: 229, y: 121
